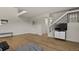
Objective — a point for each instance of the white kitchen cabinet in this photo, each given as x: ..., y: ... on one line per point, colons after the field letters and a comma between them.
x: 60, y: 34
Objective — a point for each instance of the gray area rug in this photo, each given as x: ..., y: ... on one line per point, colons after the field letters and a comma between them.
x: 29, y: 47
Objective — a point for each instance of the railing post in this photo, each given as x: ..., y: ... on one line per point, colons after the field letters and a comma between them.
x: 68, y: 18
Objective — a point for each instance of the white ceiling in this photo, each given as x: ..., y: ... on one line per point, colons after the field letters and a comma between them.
x: 35, y: 11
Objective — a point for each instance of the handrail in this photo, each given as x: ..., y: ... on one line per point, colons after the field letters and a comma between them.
x: 63, y: 16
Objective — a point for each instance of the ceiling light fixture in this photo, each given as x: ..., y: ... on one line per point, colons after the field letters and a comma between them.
x: 21, y: 12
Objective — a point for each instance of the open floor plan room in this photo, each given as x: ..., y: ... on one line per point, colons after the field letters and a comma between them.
x: 39, y: 28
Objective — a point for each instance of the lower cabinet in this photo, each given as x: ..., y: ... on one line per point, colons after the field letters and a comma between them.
x: 60, y: 34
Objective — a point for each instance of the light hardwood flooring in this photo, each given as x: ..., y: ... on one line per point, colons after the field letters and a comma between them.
x: 48, y: 44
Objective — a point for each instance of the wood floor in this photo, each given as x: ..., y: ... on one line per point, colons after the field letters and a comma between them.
x: 48, y: 44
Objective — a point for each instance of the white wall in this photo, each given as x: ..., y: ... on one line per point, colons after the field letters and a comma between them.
x: 73, y: 32
x: 16, y: 24
x: 32, y: 28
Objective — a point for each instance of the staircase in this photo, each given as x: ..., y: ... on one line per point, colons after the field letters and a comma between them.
x: 67, y: 17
